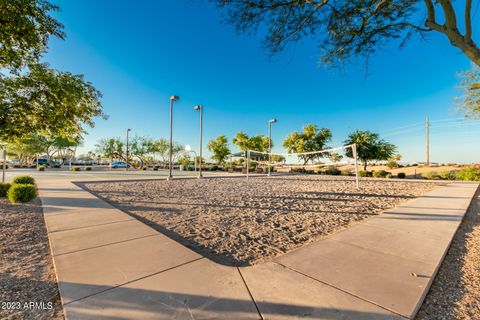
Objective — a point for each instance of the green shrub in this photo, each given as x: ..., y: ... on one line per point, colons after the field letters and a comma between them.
x: 363, y: 173
x: 333, y: 172
x: 389, y: 176
x: 41, y: 168
x: 346, y: 173
x: 215, y: 168
x: 447, y: 175
x: 4, y: 189
x: 75, y: 168
x: 401, y: 175
x: 380, y: 174
x: 88, y: 168
x: 21, y: 193
x: 468, y: 174
x: 23, y: 180
x: 430, y: 175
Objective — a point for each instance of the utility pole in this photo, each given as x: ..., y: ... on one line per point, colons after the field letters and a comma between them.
x: 427, y: 162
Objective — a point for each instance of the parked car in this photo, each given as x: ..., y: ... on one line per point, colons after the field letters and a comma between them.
x: 46, y: 162
x: 120, y: 164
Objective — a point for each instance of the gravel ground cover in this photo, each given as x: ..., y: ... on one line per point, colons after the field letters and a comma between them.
x: 28, y: 286
x: 455, y: 292
x: 235, y: 221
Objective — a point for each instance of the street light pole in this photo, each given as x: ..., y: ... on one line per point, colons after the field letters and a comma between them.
x: 200, y: 108
x: 270, y: 144
x: 126, y: 167
x: 170, y: 164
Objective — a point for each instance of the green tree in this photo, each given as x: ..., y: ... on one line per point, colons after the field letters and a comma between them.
x: 470, y: 84
x: 349, y: 28
x: 48, y: 102
x: 111, y: 148
x: 335, y: 157
x: 141, y: 147
x: 35, y: 98
x: 369, y: 147
x: 219, y: 148
x: 161, y: 147
x: 310, y: 139
x: 256, y: 143
x: 25, y: 149
x: 26, y: 28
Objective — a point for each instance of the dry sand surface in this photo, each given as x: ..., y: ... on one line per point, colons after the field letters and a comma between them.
x: 236, y: 221
x: 455, y: 292
x: 26, y: 269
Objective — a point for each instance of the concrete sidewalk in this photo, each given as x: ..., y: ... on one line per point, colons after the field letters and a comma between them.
x: 111, y: 266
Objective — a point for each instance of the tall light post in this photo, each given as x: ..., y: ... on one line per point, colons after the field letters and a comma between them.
x: 170, y: 164
x: 270, y: 144
x: 126, y: 167
x: 200, y: 108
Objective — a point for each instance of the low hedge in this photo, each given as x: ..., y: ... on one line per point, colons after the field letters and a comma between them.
x: 23, y: 180
x: 468, y: 174
x: 21, y: 193
x: 41, y: 168
x: 380, y: 174
x: 75, y: 168
x: 4, y: 189
x: 364, y: 173
x: 333, y: 172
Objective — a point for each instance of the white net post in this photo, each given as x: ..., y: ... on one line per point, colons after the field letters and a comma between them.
x: 248, y: 162
x: 354, y: 152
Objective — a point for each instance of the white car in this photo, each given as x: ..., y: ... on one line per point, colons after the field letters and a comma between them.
x: 120, y: 164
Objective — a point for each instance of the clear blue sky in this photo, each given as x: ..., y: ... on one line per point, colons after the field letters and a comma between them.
x: 139, y: 53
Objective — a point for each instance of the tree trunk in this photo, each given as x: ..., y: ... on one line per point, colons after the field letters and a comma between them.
x: 365, y: 165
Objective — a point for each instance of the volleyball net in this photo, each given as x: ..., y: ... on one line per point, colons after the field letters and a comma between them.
x: 320, y: 160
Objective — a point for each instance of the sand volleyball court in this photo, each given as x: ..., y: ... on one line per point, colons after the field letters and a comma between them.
x: 239, y: 221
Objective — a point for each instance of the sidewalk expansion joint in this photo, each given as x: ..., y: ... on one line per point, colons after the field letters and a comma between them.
x: 107, y: 244
x: 344, y: 291
x: 250, y: 293
x: 95, y: 225
x: 132, y: 281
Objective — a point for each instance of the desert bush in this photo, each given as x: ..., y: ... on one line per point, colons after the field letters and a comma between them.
x: 4, y: 189
x: 401, y: 175
x: 430, y: 175
x: 298, y: 170
x: 333, y: 172
x: 363, y: 173
x: 88, y: 168
x: 392, y: 164
x: 21, y: 192
x: 75, y: 168
x: 380, y: 174
x: 23, y: 180
x: 346, y: 173
x: 447, y: 175
x: 468, y: 174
